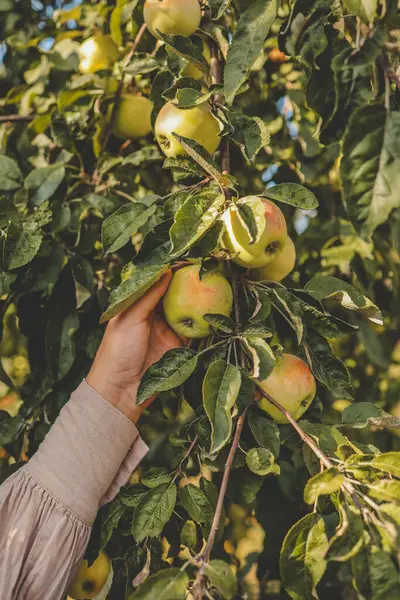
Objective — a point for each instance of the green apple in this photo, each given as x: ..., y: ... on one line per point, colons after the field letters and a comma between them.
x: 191, y: 70
x: 89, y: 581
x: 132, y: 118
x: 292, y: 384
x: 237, y: 238
x: 176, y: 17
x: 189, y: 298
x: 197, y: 123
x: 279, y: 268
x: 96, y: 53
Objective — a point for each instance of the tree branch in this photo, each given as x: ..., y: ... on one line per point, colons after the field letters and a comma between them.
x: 16, y: 118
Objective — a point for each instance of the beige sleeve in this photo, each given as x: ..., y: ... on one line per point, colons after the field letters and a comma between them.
x: 48, y: 506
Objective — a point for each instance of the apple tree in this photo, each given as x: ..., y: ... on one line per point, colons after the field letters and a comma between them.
x: 251, y: 146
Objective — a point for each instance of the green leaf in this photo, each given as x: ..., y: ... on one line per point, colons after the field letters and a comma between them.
x: 325, y: 483
x: 327, y: 368
x: 119, y: 227
x: 222, y: 578
x: 169, y: 584
x: 265, y: 431
x: 262, y: 357
x: 196, y: 503
x: 251, y: 134
x: 185, y: 48
x: 44, y: 182
x: 110, y: 521
x: 220, y: 322
x: 142, y: 63
x: 10, y: 174
x: 361, y: 414
x: 144, y: 276
x: 173, y: 368
x: 154, y: 511
x: 20, y: 246
x: 115, y: 22
x: 10, y: 428
x: 262, y: 308
x: 251, y: 213
x: 60, y: 343
x: 385, y: 489
x: 155, y: 476
x: 365, y: 9
x: 218, y: 7
x: 189, y: 535
x: 202, y: 157
x: 384, y: 576
x: 195, y: 217
x: 220, y: 389
x: 302, y: 561
x: 370, y: 166
x: 326, y: 287
x: 261, y: 461
x: 348, y: 539
x: 293, y: 194
x: 247, y: 43
x: 388, y: 462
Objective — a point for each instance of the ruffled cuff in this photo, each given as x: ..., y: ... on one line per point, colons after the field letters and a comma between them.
x: 88, y: 454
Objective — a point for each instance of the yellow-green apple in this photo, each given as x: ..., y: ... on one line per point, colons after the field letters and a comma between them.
x: 197, y: 123
x: 191, y: 70
x: 176, y: 17
x: 279, y: 268
x: 189, y: 298
x: 89, y: 581
x: 292, y: 384
x: 237, y: 238
x: 96, y: 53
x: 132, y: 118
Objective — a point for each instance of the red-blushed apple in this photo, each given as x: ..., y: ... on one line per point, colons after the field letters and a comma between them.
x: 89, y: 581
x: 237, y: 239
x: 96, y: 53
x: 279, y: 268
x: 176, y: 17
x: 197, y: 123
x: 132, y: 118
x: 292, y: 384
x: 189, y: 298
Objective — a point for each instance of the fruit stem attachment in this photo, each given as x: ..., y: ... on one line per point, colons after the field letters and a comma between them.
x: 118, y: 93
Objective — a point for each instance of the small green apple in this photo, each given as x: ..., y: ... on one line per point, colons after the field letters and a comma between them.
x: 189, y: 298
x: 89, y: 581
x: 197, y: 123
x: 96, y: 53
x: 279, y: 268
x: 191, y: 70
x: 176, y: 17
x: 132, y: 119
x: 292, y: 384
x: 237, y: 239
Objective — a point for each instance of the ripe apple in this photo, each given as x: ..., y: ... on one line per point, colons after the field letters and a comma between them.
x: 292, y: 384
x: 197, y: 123
x: 191, y: 70
x: 89, y: 581
x: 277, y: 56
x: 132, y: 118
x: 237, y: 240
x: 176, y: 17
x: 279, y: 268
x: 189, y: 298
x: 96, y: 53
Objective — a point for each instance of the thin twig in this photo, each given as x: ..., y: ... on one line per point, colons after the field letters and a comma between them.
x: 187, y: 454
x: 16, y: 118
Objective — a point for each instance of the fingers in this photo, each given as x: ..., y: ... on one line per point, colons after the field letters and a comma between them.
x: 143, y: 308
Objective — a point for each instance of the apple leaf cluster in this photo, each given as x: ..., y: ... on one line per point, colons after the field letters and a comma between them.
x: 300, y: 101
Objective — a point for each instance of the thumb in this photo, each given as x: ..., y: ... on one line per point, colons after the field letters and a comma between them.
x: 143, y: 308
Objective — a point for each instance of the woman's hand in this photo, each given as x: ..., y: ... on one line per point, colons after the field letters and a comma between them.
x: 133, y: 341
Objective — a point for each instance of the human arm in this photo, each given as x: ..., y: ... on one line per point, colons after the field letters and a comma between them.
x: 48, y: 506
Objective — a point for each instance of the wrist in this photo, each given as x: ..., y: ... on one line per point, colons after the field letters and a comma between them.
x: 122, y: 399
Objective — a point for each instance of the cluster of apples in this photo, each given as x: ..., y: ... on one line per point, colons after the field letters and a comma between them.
x: 132, y: 117
x: 270, y: 258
